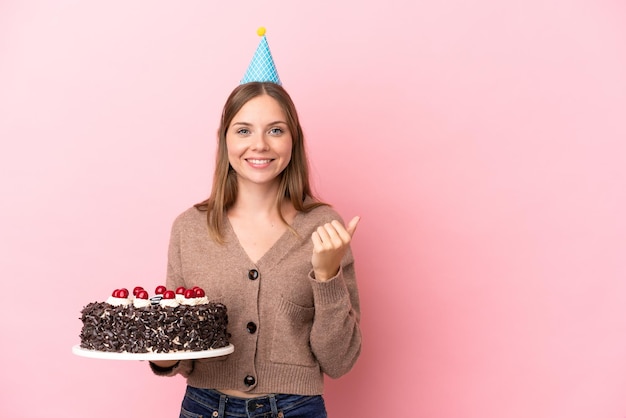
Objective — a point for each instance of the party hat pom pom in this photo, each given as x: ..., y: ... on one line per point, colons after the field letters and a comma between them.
x: 260, y: 31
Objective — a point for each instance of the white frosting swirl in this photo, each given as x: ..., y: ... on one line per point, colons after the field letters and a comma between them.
x: 172, y: 303
x: 118, y: 301
x: 195, y: 301
x: 141, y: 303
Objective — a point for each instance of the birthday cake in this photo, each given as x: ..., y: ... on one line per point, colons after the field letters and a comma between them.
x: 169, y: 321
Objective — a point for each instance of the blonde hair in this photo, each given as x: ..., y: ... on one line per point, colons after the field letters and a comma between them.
x: 294, y: 179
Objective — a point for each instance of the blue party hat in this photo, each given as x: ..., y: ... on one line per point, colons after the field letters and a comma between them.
x: 261, y: 67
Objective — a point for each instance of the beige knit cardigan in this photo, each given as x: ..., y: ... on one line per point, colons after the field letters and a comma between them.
x: 288, y: 329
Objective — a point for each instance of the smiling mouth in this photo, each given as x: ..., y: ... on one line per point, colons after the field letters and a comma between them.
x: 259, y: 162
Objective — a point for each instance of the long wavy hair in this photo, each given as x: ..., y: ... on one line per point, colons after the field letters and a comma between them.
x: 293, y: 180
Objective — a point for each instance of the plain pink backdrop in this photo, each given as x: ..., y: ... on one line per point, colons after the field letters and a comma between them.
x: 483, y: 144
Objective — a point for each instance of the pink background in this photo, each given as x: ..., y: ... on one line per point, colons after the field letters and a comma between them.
x: 483, y: 144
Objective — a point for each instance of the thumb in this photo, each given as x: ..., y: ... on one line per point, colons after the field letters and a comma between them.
x: 353, y: 224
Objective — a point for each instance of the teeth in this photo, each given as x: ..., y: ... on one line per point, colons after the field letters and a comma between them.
x: 259, y: 161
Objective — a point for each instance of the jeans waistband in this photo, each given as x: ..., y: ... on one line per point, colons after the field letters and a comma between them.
x: 258, y: 405
x: 210, y: 402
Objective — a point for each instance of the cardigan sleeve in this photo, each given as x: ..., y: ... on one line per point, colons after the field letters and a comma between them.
x: 184, y: 367
x: 335, y: 334
x: 174, y: 277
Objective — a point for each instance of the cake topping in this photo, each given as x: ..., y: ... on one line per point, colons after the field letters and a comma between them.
x: 120, y: 293
x: 194, y: 296
x: 139, y: 302
x: 164, y: 297
x: 119, y: 297
x: 180, y: 293
x: 169, y: 299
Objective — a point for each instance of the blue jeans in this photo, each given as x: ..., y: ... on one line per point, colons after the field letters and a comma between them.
x: 208, y: 403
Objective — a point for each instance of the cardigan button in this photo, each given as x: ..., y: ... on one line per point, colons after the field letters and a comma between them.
x: 251, y: 327
x: 249, y: 380
x: 253, y: 274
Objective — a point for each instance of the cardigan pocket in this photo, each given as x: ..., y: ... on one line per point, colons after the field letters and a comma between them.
x: 291, y: 334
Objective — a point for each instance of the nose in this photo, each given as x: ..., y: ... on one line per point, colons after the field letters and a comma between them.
x: 260, y: 143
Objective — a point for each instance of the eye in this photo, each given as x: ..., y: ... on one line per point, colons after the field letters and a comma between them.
x: 243, y: 131
x: 276, y: 131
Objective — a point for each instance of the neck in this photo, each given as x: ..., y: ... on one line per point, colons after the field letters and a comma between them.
x: 258, y: 200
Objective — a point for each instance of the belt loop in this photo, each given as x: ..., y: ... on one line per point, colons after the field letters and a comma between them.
x: 273, y: 405
x: 222, y: 407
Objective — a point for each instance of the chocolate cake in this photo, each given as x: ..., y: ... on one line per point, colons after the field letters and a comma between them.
x: 165, y: 323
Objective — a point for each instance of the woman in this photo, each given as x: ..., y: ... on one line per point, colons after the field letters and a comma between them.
x: 277, y: 258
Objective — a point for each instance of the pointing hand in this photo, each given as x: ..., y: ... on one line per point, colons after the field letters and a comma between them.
x: 330, y: 243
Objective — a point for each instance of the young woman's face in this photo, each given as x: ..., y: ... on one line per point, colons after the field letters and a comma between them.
x: 258, y: 141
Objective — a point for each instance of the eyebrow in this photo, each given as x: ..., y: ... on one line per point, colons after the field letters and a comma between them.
x: 249, y: 124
